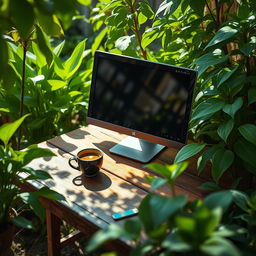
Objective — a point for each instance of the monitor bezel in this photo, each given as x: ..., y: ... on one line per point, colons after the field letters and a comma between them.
x: 133, y: 132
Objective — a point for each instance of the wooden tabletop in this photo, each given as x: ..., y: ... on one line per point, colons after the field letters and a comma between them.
x: 121, y: 184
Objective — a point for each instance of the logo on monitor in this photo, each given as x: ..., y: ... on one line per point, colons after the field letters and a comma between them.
x: 133, y: 133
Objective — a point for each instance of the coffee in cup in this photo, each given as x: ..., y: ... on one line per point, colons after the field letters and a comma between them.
x: 89, y: 161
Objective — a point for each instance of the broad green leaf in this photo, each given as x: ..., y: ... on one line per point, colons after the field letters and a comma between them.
x: 248, y: 131
x: 225, y: 129
x: 57, y: 50
x: 251, y: 95
x: 50, y: 24
x: 156, y: 182
x: 231, y: 109
x: 198, y: 6
x: 84, y: 2
x: 165, y: 206
x: 123, y: 43
x: 146, y: 10
x: 211, y: 186
x: 22, y: 14
x: 22, y: 222
x: 133, y: 228
x: 34, y: 152
x: 221, y: 199
x: 75, y: 60
x: 224, y: 75
x: 240, y: 199
x: 57, y: 84
x: 7, y: 130
x: 40, y: 58
x: 36, y: 174
x: 223, y: 34
x: 48, y: 193
x: 246, y: 151
x: 209, y: 59
x: 142, y: 18
x: 206, y: 156
x: 188, y: 150
x: 247, y: 49
x: 44, y: 45
x: 221, y: 161
x: 59, y: 68
x: 150, y: 35
x: 208, y: 107
x: 168, y: 7
x: 98, y: 40
x: 34, y: 203
x: 112, y: 232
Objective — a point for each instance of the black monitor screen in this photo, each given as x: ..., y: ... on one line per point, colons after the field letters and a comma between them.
x: 144, y: 96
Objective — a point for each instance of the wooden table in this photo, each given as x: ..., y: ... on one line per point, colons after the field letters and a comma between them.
x: 120, y: 186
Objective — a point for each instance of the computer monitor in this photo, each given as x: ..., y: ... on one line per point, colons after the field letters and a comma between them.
x: 149, y: 101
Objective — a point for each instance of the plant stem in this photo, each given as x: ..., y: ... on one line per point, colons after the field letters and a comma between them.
x: 137, y: 32
x: 172, y: 189
x: 22, y: 89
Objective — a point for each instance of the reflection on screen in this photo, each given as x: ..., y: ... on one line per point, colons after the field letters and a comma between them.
x: 147, y: 98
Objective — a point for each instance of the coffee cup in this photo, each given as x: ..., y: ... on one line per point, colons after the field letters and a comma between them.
x: 89, y: 161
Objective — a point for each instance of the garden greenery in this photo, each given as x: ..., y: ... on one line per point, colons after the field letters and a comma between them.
x: 218, y: 38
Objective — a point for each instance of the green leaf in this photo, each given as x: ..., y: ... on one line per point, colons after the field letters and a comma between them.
x: 231, y: 109
x: 146, y: 10
x: 156, y: 183
x: 210, y: 186
x: 22, y: 222
x: 84, y: 2
x: 240, y: 199
x: 188, y: 150
x: 206, y: 156
x: 123, y: 43
x: 112, y: 232
x: 32, y: 200
x: 150, y: 35
x: 168, y: 6
x: 251, y: 95
x: 207, y: 107
x: 133, y: 228
x: 223, y: 34
x: 221, y: 199
x: 221, y: 161
x: 7, y: 130
x: 165, y: 206
x: 50, y: 24
x: 44, y: 45
x: 56, y: 84
x: 247, y: 49
x: 225, y: 129
x: 48, y: 193
x: 224, y: 75
x: 34, y: 152
x: 4, y: 56
x: 213, y: 58
x: 75, y: 60
x: 197, y: 6
x: 40, y: 58
x: 216, y: 246
x: 246, y: 151
x: 22, y: 14
x: 248, y: 131
x: 36, y: 174
x: 98, y: 39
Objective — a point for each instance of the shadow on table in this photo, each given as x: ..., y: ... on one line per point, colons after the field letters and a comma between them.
x: 97, y: 183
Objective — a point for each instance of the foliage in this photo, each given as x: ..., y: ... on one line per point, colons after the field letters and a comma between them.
x: 221, y: 224
x: 13, y: 172
x: 54, y: 91
x: 218, y: 39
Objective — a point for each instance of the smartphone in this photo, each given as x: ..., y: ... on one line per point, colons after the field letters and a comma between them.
x: 125, y: 214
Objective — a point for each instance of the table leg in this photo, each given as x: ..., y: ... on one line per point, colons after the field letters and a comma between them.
x: 53, y: 233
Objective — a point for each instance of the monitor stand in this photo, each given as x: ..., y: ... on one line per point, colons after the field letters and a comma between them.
x: 137, y: 149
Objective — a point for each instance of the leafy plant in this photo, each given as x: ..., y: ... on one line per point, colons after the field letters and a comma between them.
x: 54, y: 93
x: 221, y: 224
x: 218, y: 39
x: 13, y: 172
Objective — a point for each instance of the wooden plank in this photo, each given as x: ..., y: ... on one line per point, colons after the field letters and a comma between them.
x: 71, y: 238
x: 53, y: 233
x: 126, y: 169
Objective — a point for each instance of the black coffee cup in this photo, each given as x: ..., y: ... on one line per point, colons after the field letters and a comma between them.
x: 89, y: 161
